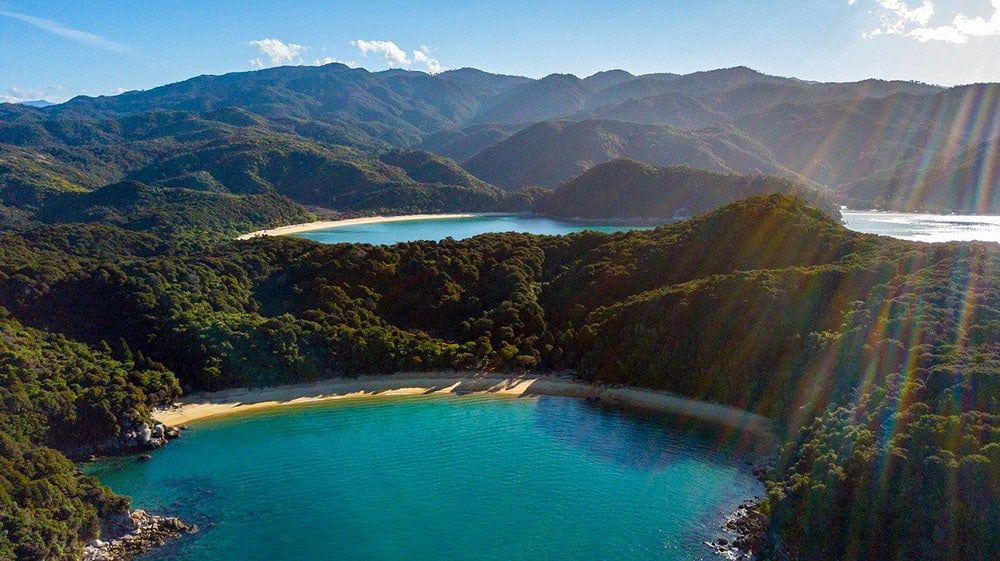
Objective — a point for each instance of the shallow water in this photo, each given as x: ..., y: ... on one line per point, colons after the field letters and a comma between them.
x: 444, y: 477
x: 386, y: 233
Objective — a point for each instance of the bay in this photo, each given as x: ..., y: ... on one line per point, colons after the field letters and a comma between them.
x: 444, y: 477
x: 387, y: 233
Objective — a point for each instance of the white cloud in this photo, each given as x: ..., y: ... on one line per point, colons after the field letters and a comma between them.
x: 395, y: 56
x: 331, y: 60
x: 944, y: 33
x: 423, y: 56
x: 896, y: 15
x: 61, y: 30
x: 962, y: 27
x: 277, y: 52
x: 898, y: 18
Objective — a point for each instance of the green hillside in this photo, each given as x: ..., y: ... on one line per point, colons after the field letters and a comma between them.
x: 227, y: 151
x: 764, y: 304
x: 627, y: 189
x: 851, y: 137
x: 555, y: 151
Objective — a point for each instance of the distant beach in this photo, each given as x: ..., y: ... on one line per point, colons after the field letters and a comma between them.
x: 207, y: 405
x: 324, y: 224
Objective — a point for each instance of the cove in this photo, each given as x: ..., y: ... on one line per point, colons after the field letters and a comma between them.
x: 444, y: 477
x: 387, y: 233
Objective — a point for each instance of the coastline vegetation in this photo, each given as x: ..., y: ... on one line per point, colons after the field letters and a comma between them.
x: 874, y: 354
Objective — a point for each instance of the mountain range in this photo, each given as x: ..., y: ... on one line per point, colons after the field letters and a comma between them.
x: 317, y: 135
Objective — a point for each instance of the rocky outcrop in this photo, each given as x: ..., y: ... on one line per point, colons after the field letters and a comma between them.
x: 131, y: 439
x: 138, y: 438
x: 131, y: 533
x: 750, y: 526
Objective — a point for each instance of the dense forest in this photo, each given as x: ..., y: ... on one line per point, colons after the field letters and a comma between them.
x: 875, y: 355
x: 631, y: 190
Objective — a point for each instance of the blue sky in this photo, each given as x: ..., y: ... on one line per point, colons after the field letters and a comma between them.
x: 56, y: 50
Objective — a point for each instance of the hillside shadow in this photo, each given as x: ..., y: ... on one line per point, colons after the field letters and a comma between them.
x: 644, y: 439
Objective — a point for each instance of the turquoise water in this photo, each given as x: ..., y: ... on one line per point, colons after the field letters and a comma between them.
x: 386, y: 233
x: 443, y: 477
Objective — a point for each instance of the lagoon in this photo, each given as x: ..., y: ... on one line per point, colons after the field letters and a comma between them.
x: 444, y: 477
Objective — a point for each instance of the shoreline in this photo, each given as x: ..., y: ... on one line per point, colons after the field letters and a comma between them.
x: 325, y: 224
x: 208, y: 405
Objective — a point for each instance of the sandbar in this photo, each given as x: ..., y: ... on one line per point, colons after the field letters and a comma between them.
x: 324, y: 224
x: 200, y: 406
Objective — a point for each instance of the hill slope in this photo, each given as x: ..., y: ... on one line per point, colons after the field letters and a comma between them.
x: 626, y: 189
x: 554, y: 151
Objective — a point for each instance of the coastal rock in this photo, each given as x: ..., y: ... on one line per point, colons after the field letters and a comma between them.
x: 144, y: 434
x: 138, y: 438
x: 117, y: 525
x: 750, y: 526
x: 132, y: 533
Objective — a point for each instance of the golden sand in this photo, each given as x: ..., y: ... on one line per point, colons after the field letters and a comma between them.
x: 229, y: 402
x: 324, y: 224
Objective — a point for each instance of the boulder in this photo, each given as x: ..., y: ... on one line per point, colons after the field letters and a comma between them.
x: 145, y: 434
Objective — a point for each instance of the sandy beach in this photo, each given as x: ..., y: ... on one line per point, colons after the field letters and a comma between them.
x: 324, y: 224
x: 229, y: 402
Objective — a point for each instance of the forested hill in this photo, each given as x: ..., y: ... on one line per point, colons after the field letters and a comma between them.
x: 765, y: 304
x: 231, y: 159
x: 627, y: 189
x: 891, y: 144
x: 551, y: 152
